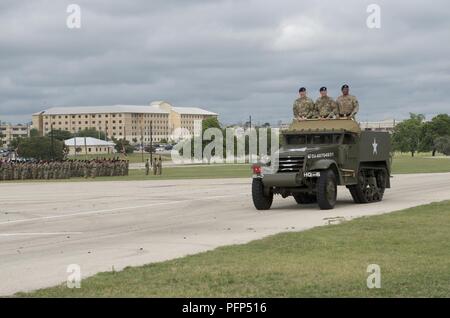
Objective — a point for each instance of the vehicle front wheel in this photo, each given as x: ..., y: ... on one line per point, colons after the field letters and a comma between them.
x: 261, y: 201
x: 327, y: 190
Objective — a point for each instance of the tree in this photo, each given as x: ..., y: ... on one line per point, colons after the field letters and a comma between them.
x: 40, y: 148
x: 439, y: 126
x: 60, y: 134
x: 211, y: 122
x: 91, y: 132
x: 406, y: 137
x: 442, y: 144
x: 34, y: 132
x: 123, y: 144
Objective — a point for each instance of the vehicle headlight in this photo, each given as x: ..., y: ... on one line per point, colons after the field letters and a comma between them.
x: 265, y: 159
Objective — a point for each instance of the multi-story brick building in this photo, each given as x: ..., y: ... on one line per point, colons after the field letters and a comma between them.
x: 119, y: 121
x: 9, y: 132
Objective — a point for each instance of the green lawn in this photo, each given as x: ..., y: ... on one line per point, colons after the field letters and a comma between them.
x: 420, y: 163
x: 411, y: 246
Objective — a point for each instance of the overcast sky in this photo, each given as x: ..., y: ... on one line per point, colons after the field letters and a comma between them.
x: 234, y: 57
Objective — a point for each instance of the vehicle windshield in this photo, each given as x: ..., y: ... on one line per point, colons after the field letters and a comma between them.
x: 313, y: 139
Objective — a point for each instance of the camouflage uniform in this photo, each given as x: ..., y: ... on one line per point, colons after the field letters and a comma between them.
x: 326, y: 107
x: 147, y: 167
x: 304, y: 107
x: 347, y: 105
x: 159, y: 167
x: 154, y: 166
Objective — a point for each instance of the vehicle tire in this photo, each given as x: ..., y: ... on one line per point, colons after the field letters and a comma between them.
x: 353, y: 192
x: 370, y: 187
x: 260, y: 200
x: 327, y: 190
x: 305, y: 198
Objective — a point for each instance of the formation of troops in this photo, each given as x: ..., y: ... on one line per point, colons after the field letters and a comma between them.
x: 64, y: 169
x: 325, y: 107
x: 156, y: 165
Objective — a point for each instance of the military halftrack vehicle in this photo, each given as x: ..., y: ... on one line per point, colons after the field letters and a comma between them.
x: 316, y: 156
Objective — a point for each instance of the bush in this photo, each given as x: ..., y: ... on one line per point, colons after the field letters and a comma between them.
x: 443, y: 144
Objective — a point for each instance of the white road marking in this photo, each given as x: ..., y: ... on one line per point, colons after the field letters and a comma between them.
x: 118, y: 209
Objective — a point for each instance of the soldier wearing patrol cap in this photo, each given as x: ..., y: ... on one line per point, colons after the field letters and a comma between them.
x: 303, y: 106
x: 326, y: 107
x: 347, y: 104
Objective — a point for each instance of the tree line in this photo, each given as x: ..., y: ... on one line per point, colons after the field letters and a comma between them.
x: 417, y: 135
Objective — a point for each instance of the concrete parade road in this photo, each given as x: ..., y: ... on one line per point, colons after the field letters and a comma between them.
x: 44, y: 227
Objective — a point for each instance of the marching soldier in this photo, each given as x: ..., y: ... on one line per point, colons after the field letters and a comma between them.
x: 93, y: 169
x: 326, y: 107
x: 303, y: 106
x: 147, y: 167
x: 154, y: 166
x: 348, y: 105
x: 159, y: 168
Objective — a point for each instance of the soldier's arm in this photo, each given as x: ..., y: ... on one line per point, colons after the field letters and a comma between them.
x: 338, y: 107
x: 295, y: 110
x: 355, y: 107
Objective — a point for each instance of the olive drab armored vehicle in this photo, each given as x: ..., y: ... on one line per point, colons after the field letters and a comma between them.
x: 316, y: 156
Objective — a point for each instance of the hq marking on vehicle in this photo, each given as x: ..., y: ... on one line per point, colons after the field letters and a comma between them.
x: 319, y: 155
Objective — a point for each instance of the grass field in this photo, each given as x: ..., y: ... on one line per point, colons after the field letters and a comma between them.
x: 412, y: 248
x: 421, y: 163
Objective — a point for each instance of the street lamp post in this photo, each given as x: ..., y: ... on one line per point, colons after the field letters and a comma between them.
x: 151, y: 143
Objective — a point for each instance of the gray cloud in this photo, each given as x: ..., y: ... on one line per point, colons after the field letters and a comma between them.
x: 234, y: 57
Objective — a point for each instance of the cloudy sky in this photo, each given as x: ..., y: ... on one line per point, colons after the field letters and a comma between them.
x: 234, y: 57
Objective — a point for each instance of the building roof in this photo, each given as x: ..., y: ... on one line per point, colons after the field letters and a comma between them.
x: 90, y: 141
x: 102, y: 110
x: 154, y: 108
x: 192, y: 111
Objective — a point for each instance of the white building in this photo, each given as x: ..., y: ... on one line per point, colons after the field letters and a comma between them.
x: 89, y: 145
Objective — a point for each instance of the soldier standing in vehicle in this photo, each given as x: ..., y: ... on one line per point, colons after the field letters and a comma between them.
x: 348, y: 105
x: 326, y: 107
x: 303, y: 106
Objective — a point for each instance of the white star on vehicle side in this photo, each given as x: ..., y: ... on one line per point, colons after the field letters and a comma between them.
x: 375, y: 146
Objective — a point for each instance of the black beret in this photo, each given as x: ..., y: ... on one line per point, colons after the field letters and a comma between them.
x: 302, y: 89
x: 344, y: 86
x: 323, y: 88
